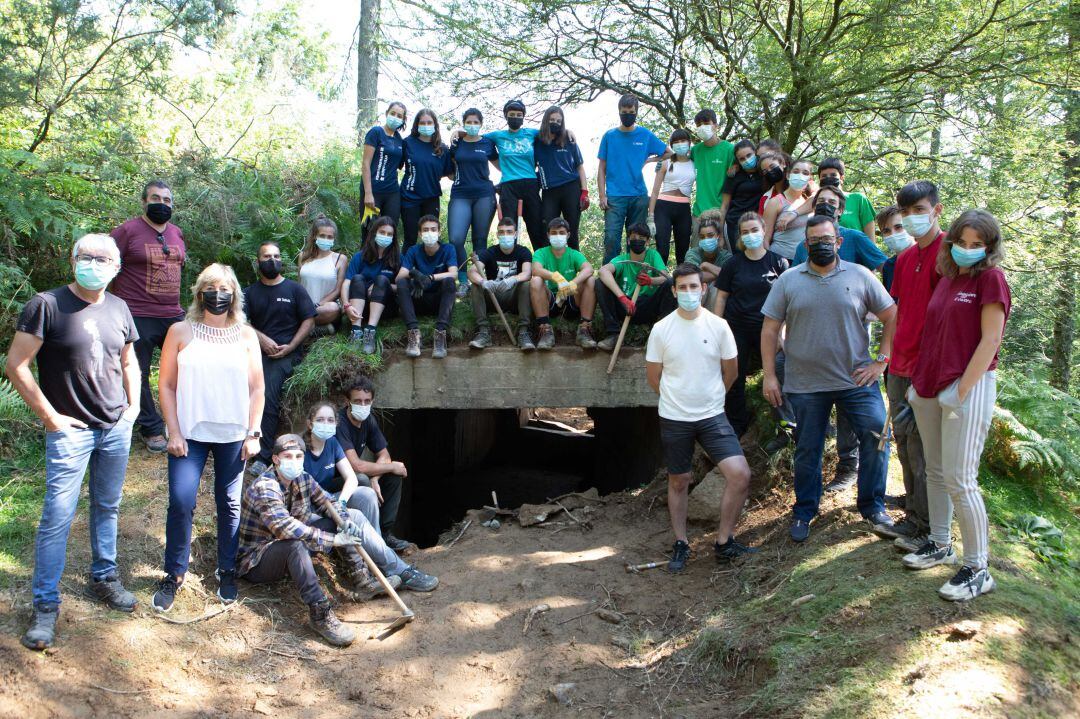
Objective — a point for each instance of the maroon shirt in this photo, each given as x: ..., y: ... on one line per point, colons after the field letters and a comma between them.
x: 954, y: 327
x: 914, y: 280
x: 149, y: 281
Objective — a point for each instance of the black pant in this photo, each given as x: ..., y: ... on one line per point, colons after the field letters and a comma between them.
x: 390, y: 485
x: 672, y: 217
x: 288, y: 556
x: 748, y: 343
x: 389, y: 204
x: 275, y: 372
x: 563, y: 201
x: 649, y: 308
x: 378, y: 290
x: 437, y: 300
x: 152, y: 332
x: 410, y: 218
x: 528, y: 191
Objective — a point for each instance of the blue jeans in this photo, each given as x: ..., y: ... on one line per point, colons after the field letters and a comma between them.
x: 462, y: 214
x: 184, y: 476
x: 865, y: 410
x: 67, y: 456
x: 622, y: 211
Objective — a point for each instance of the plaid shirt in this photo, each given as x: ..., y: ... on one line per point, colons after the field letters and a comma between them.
x: 270, y: 512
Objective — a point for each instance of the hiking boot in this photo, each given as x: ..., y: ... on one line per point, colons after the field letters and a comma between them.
x: 799, y: 530
x: 524, y: 340
x: 908, y: 528
x: 608, y: 343
x: 967, y: 584
x: 680, y: 554
x: 546, y: 340
x: 731, y: 551
x: 845, y: 479
x: 584, y: 336
x: 111, y: 591
x: 412, y: 348
x: 226, y: 590
x: 882, y: 525
x: 42, y: 628
x: 482, y: 340
x: 365, y: 587
x: 356, y: 336
x: 911, y: 544
x: 415, y: 580
x: 322, y: 331
x: 777, y: 443
x: 328, y: 626
x: 930, y: 555
x: 401, y: 547
x: 368, y: 347
x: 156, y: 443
x: 462, y: 289
x: 257, y: 467
x: 166, y: 594
x: 439, y: 350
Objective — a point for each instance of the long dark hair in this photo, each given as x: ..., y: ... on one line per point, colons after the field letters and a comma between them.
x: 677, y: 135
x: 546, y: 136
x: 369, y: 253
x: 309, y: 247
x: 989, y: 230
x: 436, y: 139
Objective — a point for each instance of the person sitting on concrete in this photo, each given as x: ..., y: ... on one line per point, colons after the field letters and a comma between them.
x: 617, y: 281
x: 507, y: 270
x: 562, y: 284
x: 710, y: 254
x: 326, y: 462
x: 368, y: 282
x: 426, y: 283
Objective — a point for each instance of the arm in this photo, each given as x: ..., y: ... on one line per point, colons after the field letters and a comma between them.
x: 301, y: 334
x: 382, y: 464
x: 451, y: 272
x: 129, y: 365
x: 167, y: 375
x: 868, y: 229
x: 658, y: 181
x: 993, y: 327
x: 653, y: 372
x: 772, y: 209
x: 770, y: 338
x: 583, y: 274
x: 729, y: 370
x: 348, y: 476
x: 256, y: 396
x: 721, y: 305
x: 709, y: 272
x: 725, y: 203
x: 369, y: 197
x: 269, y: 347
x: 276, y: 518
x: 607, y: 276
x: 526, y: 272
x: 659, y: 157
x: 872, y: 372
x: 23, y: 350
x: 601, y: 183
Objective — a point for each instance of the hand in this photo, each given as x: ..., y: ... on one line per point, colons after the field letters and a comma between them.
x: 490, y: 285
x: 267, y: 345
x: 644, y: 279
x: 343, y: 539
x: 177, y: 446
x: 283, y: 351
x: 61, y: 422
x: 785, y: 219
x: 584, y: 201
x: 250, y: 449
x: 652, y: 225
x: 131, y: 413
x: 731, y: 171
x: 510, y: 282
x: 628, y: 305
x: 352, y: 312
x: 558, y: 279
x: 604, y: 203
x: 426, y: 281
x: 770, y: 387
x: 369, y: 200
x: 570, y: 136
x: 350, y: 527
x: 376, y: 489
x: 868, y: 374
x: 567, y: 289
x: 398, y: 468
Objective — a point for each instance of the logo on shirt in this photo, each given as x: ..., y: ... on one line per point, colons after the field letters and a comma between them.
x: 518, y: 147
x: 638, y: 144
x: 283, y: 299
x: 162, y: 272
x: 505, y: 269
x: 97, y: 348
x: 770, y: 276
x: 968, y: 298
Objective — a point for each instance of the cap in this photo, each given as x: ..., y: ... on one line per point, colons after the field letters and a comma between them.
x: 288, y: 442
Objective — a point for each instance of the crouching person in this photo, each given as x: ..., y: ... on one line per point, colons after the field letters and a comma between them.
x: 507, y: 268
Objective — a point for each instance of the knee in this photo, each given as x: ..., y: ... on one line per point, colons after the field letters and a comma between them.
x: 295, y: 549
x: 357, y: 288
x: 679, y: 482
x: 381, y: 282
x: 404, y: 284
x: 447, y: 284
x: 738, y: 477
x: 361, y: 497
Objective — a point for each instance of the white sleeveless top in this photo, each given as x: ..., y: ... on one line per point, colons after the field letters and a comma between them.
x: 319, y: 276
x: 212, y: 399
x: 680, y: 176
x: 785, y: 243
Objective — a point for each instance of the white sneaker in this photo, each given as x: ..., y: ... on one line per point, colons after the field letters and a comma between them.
x: 967, y: 584
x: 930, y: 555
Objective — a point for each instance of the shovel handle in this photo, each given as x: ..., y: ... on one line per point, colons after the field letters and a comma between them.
x: 332, y: 511
x: 622, y: 334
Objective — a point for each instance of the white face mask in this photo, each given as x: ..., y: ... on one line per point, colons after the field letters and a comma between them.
x: 507, y: 241
x: 430, y: 238
x: 324, y: 430
x: 557, y: 241
x: 705, y: 132
x: 918, y: 225
x: 899, y: 241
x: 290, y: 468
x: 360, y: 412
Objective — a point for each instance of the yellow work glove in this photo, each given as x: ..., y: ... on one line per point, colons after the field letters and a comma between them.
x: 567, y: 290
x: 558, y: 279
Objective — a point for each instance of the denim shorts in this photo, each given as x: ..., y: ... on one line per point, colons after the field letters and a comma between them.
x: 714, y: 434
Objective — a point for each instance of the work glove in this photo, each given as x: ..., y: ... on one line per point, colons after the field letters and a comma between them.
x: 628, y: 305
x: 644, y: 279
x: 509, y: 282
x: 652, y: 225
x: 344, y: 539
x: 568, y: 289
x: 490, y: 285
x: 583, y: 202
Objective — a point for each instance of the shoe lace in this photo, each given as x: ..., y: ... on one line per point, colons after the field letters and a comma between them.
x: 169, y: 585
x: 964, y: 576
x: 927, y: 548
x: 680, y: 551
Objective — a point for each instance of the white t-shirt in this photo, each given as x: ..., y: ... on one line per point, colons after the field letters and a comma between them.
x: 692, y: 384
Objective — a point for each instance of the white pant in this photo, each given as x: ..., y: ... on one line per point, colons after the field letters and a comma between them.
x: 953, y: 436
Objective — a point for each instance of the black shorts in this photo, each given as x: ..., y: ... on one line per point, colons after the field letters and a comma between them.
x: 714, y: 434
x: 568, y: 309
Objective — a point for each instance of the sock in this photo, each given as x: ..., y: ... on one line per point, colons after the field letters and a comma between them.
x: 368, y: 327
x: 543, y: 320
x: 586, y: 320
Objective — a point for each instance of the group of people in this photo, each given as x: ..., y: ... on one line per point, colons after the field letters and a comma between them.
x: 781, y: 279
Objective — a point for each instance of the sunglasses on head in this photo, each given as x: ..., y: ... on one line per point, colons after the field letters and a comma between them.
x: 164, y: 246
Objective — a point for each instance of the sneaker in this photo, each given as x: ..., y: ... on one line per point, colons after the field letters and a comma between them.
x: 356, y: 336
x: 908, y: 528
x: 322, y: 331
x: 525, y: 340
x: 439, y: 350
x: 912, y: 543
x: 166, y: 594
x: 111, y: 591
x: 401, y: 547
x: 883, y: 525
x: 328, y: 626
x: 412, y: 348
x: 608, y: 343
x: 482, y: 340
x: 462, y: 289
x: 777, y: 443
x: 680, y: 554
x: 584, y: 336
x: 930, y: 555
x: 366, y: 587
x: 42, y: 628
x: 415, y: 580
x: 967, y: 584
x: 546, y: 340
x: 368, y: 347
x: 257, y: 467
x: 845, y: 479
x: 731, y: 551
x: 156, y: 444
x: 226, y: 590
x: 800, y: 530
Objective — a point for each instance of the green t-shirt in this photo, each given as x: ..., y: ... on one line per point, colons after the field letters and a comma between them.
x: 568, y: 265
x: 695, y: 256
x: 712, y: 164
x: 626, y: 273
x: 857, y: 212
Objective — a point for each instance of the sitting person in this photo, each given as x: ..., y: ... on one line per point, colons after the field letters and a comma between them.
x: 554, y: 294
x: 507, y: 269
x: 327, y: 464
x: 709, y: 255
x: 617, y: 280
x: 426, y: 283
x: 369, y: 281
x: 320, y: 272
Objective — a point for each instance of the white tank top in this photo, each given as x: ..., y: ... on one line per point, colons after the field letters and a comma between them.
x: 319, y: 276
x: 212, y: 399
x: 680, y: 176
x: 785, y: 243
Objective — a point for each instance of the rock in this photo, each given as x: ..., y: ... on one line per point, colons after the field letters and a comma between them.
x: 609, y: 615
x: 260, y: 707
x: 622, y: 641
x: 704, y: 501
x: 530, y: 514
x: 802, y: 600
x: 561, y: 693
x: 961, y: 630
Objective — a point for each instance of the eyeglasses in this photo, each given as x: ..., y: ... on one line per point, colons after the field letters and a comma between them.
x: 822, y: 240
x: 94, y: 260
x: 164, y: 247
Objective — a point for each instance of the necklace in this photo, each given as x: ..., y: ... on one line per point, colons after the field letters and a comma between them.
x: 918, y: 264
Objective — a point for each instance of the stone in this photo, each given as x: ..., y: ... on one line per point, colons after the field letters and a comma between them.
x: 562, y: 693
x: 705, y: 499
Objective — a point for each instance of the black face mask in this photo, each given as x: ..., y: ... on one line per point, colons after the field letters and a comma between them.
x: 514, y: 123
x: 627, y: 118
x: 822, y: 254
x: 270, y: 269
x: 830, y: 181
x: 556, y: 129
x: 825, y: 210
x: 158, y: 212
x: 216, y: 303
x: 636, y: 246
x: 774, y: 174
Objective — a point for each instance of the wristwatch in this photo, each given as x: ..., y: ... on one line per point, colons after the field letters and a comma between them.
x: 882, y: 358
x: 254, y: 434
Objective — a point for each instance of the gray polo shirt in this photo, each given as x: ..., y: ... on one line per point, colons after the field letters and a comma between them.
x: 826, y: 340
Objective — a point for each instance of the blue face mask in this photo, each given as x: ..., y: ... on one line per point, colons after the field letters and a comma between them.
x: 708, y: 244
x: 472, y: 130
x: 323, y: 244
x: 798, y: 181
x: 681, y: 148
x: 750, y: 163
x: 689, y: 301
x: 383, y: 240
x: 507, y: 242
x: 898, y: 242
x: 324, y: 430
x: 753, y: 240
x: 426, y: 130
x: 967, y: 258
x: 290, y: 468
x: 93, y: 276
x: 918, y: 225
x: 394, y: 122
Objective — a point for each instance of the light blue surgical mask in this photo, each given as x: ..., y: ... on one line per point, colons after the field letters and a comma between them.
x: 689, y: 301
x: 918, y: 225
x: 557, y: 241
x: 708, y: 244
x: 898, y: 242
x: 426, y: 130
x: 750, y: 163
x: 324, y: 244
x: 681, y: 148
x: 394, y: 122
x: 798, y: 181
x: 753, y: 240
x: 506, y: 242
x: 93, y: 276
x: 324, y: 430
x: 967, y: 258
x: 383, y: 240
x: 290, y: 468
x: 472, y: 130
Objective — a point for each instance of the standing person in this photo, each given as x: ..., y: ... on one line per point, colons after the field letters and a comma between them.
x: 507, y: 271
x: 211, y: 386
x: 618, y: 279
x: 321, y: 271
x: 561, y: 169
x: 890, y: 227
x: 669, y: 203
x: 562, y: 284
x: 710, y: 254
x: 384, y: 154
x: 282, y: 315
x: 742, y: 191
x: 518, y: 167
x: 953, y: 393
x: 858, y: 213
x: 152, y: 256
x: 823, y: 303
x: 691, y: 363
x: 712, y: 158
x: 87, y: 395
x: 370, y: 280
x: 787, y: 204
x: 472, y: 196
x: 624, y: 151
x: 425, y: 283
x: 773, y: 166
x: 427, y: 161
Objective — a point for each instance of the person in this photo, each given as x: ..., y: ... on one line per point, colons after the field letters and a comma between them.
x: 321, y: 271
x: 712, y: 158
x: 562, y: 284
x: 742, y: 284
x: 823, y: 303
x: 709, y: 255
x: 384, y: 155
x: 472, y: 196
x: 152, y: 256
x: 282, y: 315
x: 425, y: 283
x: 690, y: 362
x: 952, y: 394
x: 858, y: 212
x: 618, y: 279
x: 624, y: 150
x: 774, y: 165
x: 517, y: 164
x: 669, y: 202
x: 742, y: 191
x: 358, y: 432
x: 87, y: 394
x: 507, y: 270
x: 785, y: 241
x: 370, y: 281
x: 890, y: 228
x: 211, y: 386
x: 427, y: 161
x: 857, y: 247
x: 561, y: 170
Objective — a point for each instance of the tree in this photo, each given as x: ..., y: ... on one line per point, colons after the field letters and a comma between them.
x: 367, y: 68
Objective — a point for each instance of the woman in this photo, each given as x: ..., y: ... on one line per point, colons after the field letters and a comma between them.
x: 384, y: 154
x: 321, y: 271
x: 741, y: 288
x: 211, y: 387
x: 952, y: 395
x: 773, y: 167
x: 742, y: 191
x: 427, y: 161
x: 561, y: 169
x: 325, y: 461
x: 369, y: 280
x: 785, y: 241
x: 472, y: 196
x: 669, y: 202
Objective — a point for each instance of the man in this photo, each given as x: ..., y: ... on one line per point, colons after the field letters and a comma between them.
x: 859, y: 213
x: 617, y: 281
x: 426, y: 283
x: 553, y: 294
x: 87, y: 395
x: 823, y: 303
x: 357, y: 431
x: 507, y: 270
x: 285, y: 515
x: 709, y: 254
x: 624, y: 151
x: 282, y: 315
x: 152, y: 254
x: 691, y: 362
x: 712, y: 158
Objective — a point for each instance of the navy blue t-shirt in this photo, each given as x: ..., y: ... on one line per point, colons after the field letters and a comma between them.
x: 888, y: 271
x: 367, y: 436
x: 444, y: 258
x: 357, y: 266
x: 323, y: 468
x: 471, y: 160
x: 556, y: 166
x: 856, y: 248
x: 423, y: 170
x: 388, y: 158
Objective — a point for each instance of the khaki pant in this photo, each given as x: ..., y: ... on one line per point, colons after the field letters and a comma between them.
x: 515, y: 299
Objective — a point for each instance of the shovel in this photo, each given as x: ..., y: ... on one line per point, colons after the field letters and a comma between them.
x: 475, y: 259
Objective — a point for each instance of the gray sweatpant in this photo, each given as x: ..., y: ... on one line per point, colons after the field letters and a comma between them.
x: 515, y: 299
x: 953, y: 436
x: 909, y: 450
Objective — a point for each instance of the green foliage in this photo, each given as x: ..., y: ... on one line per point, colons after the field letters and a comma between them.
x: 1040, y: 535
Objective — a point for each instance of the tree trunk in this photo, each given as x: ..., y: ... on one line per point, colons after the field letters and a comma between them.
x: 935, y: 135
x: 367, y: 68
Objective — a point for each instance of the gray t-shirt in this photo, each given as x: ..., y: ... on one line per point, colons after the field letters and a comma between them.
x: 826, y: 339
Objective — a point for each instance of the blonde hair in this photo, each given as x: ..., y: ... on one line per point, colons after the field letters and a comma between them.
x: 212, y: 275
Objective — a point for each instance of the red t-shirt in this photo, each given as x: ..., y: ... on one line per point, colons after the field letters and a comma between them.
x: 914, y: 281
x: 149, y: 280
x: 954, y: 327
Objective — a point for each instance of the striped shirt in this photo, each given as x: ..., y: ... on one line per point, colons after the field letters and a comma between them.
x: 270, y: 512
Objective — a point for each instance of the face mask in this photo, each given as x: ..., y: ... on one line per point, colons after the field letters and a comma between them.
x: 774, y: 174
x: 797, y: 181
x: 557, y: 241
x: 705, y: 132
x: 430, y: 238
x: 708, y: 244
x: 324, y: 244
x: 824, y: 209
x: 753, y: 240
x: 637, y: 246
x: 324, y: 430
x: 507, y: 241
x: 918, y: 225
x: 472, y: 130
x: 290, y: 468
x: 899, y: 241
x: 627, y: 118
x: 967, y: 258
x: 822, y: 254
x: 384, y: 240
x: 556, y: 128
x: 92, y: 276
x: 830, y: 181
x: 681, y: 148
x: 750, y: 164
x: 689, y: 301
x: 394, y: 122
x: 360, y: 412
x: 426, y: 130
x: 158, y: 212
x: 270, y: 269
x: 514, y: 123
x: 216, y: 303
